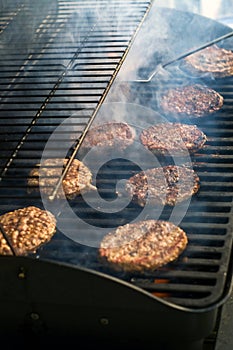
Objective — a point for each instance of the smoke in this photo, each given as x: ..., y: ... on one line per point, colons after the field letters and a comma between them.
x: 21, y: 29
x: 166, y: 34
x: 163, y: 35
x: 77, y: 228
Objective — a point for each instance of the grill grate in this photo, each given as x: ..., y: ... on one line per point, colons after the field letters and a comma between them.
x: 194, y: 279
x: 66, y: 69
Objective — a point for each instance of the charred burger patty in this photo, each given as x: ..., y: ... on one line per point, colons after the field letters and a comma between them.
x: 213, y: 59
x: 77, y: 179
x: 144, y: 245
x: 173, y: 138
x: 191, y: 100
x: 167, y: 185
x: 26, y: 228
x: 112, y: 135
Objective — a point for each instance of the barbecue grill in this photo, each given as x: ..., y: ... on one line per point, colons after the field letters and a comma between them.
x: 67, y: 64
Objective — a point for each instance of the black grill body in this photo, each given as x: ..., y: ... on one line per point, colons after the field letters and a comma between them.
x: 71, y: 60
x: 43, y: 300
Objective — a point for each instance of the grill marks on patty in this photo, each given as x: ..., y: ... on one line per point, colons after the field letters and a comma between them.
x: 191, y: 100
x: 167, y: 185
x: 26, y: 229
x: 145, y: 245
x: 173, y: 138
x: 213, y: 59
x: 112, y: 135
x: 77, y: 179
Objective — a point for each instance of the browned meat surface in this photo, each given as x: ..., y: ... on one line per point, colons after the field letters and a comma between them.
x: 144, y: 245
x: 173, y: 138
x: 77, y: 179
x: 112, y: 135
x: 213, y: 59
x: 167, y: 185
x: 191, y: 100
x: 27, y: 229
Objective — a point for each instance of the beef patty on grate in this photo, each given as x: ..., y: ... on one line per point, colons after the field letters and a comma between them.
x: 77, y: 179
x: 27, y: 229
x: 173, y: 138
x: 167, y: 185
x: 141, y: 246
x: 112, y: 135
x: 190, y: 100
x: 213, y: 59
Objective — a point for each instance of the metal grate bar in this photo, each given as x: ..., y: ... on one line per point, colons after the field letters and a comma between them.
x: 64, y: 73
x: 87, y: 67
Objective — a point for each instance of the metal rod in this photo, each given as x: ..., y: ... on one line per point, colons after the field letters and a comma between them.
x: 79, y: 142
x: 43, y: 105
x: 3, y: 232
x: 183, y: 55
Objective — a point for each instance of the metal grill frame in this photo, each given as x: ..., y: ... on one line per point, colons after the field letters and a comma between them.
x: 70, y: 81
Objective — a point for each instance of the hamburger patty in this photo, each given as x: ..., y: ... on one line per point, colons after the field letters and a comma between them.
x: 167, y: 185
x: 191, y: 100
x: 213, y: 59
x: 112, y: 135
x: 26, y: 229
x: 77, y: 179
x: 173, y: 138
x: 144, y: 245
